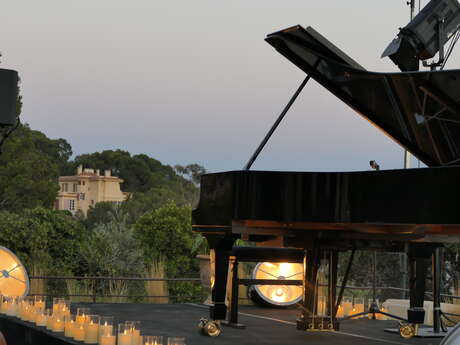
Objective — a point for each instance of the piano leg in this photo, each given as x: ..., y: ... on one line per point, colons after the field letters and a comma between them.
x: 332, y: 284
x: 220, y: 247
x: 220, y: 251
x: 311, y: 264
x: 419, y: 258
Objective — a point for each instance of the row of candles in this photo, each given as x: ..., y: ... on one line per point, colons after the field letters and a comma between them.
x: 350, y: 306
x: 82, y: 326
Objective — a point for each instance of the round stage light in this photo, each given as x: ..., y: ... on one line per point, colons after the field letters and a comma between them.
x: 14, y: 281
x: 277, y: 295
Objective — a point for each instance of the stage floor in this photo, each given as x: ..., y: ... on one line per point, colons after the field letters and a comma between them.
x: 263, y: 326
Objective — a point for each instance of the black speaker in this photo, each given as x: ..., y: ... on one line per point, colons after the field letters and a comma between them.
x: 8, y: 97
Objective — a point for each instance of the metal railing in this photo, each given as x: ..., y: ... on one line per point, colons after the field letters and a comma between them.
x: 98, y: 290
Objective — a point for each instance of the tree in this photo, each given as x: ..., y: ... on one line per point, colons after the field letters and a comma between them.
x: 165, y: 235
x: 101, y: 213
x: 29, y: 169
x: 48, y: 238
x: 112, y: 250
x: 191, y: 171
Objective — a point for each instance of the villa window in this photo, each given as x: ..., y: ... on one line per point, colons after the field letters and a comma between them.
x: 72, y: 205
x: 64, y: 187
x: 74, y: 187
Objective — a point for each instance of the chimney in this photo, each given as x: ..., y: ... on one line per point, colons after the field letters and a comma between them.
x: 80, y: 169
x: 107, y: 173
x: 98, y: 172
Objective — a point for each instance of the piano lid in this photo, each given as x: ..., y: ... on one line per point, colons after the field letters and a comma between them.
x: 419, y: 110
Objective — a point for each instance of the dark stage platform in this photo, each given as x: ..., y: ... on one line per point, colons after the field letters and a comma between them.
x: 264, y: 326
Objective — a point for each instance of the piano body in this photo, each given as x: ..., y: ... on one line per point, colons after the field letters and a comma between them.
x: 323, y: 213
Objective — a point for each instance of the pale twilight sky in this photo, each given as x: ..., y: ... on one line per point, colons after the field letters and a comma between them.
x: 194, y: 81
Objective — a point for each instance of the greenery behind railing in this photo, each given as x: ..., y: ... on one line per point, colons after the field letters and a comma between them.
x: 118, y: 289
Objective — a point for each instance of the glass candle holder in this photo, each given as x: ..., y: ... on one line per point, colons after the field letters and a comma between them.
x: 176, y: 341
x: 49, y: 319
x: 339, y: 313
x: 152, y: 340
x: 40, y: 318
x: 105, y: 326
x: 321, y: 305
x: 57, y: 324
x: 125, y: 334
x: 5, y: 304
x: 63, y: 308
x: 13, y: 306
x: 347, y: 303
x: 92, y: 329
x: 358, y: 306
x: 2, y: 306
x: 136, y: 331
x: 82, y: 314
x: 56, y: 302
x: 69, y: 323
x: 39, y: 302
x: 79, y: 331
x: 107, y: 335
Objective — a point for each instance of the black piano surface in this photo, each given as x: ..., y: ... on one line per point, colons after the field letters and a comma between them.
x: 421, y: 203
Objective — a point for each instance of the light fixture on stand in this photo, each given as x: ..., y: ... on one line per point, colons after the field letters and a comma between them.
x: 277, y: 295
x: 425, y: 35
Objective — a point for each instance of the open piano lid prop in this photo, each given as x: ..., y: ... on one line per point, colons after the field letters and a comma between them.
x: 419, y: 110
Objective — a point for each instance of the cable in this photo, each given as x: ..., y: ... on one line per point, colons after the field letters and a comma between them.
x: 456, y: 36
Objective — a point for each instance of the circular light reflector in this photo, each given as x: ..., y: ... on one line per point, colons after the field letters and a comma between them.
x: 14, y: 280
x: 278, y: 295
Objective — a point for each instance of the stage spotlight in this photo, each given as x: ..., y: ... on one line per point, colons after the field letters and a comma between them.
x: 277, y: 295
x: 8, y: 97
x: 425, y: 35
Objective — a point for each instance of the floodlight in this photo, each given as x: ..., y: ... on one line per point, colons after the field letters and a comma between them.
x: 425, y: 35
x: 277, y: 295
x: 8, y: 97
x: 14, y: 281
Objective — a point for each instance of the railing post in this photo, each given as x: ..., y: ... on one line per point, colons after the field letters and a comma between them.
x: 94, y: 290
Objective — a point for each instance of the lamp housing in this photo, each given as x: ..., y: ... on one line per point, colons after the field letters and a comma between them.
x: 424, y: 36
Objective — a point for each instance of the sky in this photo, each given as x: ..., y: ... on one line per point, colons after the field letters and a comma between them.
x: 194, y: 81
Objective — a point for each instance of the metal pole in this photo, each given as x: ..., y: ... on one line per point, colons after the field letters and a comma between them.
x: 436, y: 288
x: 407, y: 155
x: 275, y: 125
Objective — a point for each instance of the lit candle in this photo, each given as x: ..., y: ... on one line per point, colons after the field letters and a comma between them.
x: 13, y: 309
x: 68, y: 326
x: 136, y: 337
x: 91, y: 332
x: 125, y: 337
x: 79, y: 331
x: 39, y: 302
x: 49, y: 322
x: 381, y: 316
x: 339, y: 311
x: 106, y: 328
x: 107, y: 340
x: 58, y: 324
x: 359, y: 307
x: 347, y: 307
x: 41, y: 319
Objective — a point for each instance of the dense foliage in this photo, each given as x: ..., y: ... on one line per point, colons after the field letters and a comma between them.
x: 151, y: 229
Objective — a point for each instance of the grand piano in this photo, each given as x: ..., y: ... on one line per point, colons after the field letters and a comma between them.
x: 413, y: 211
